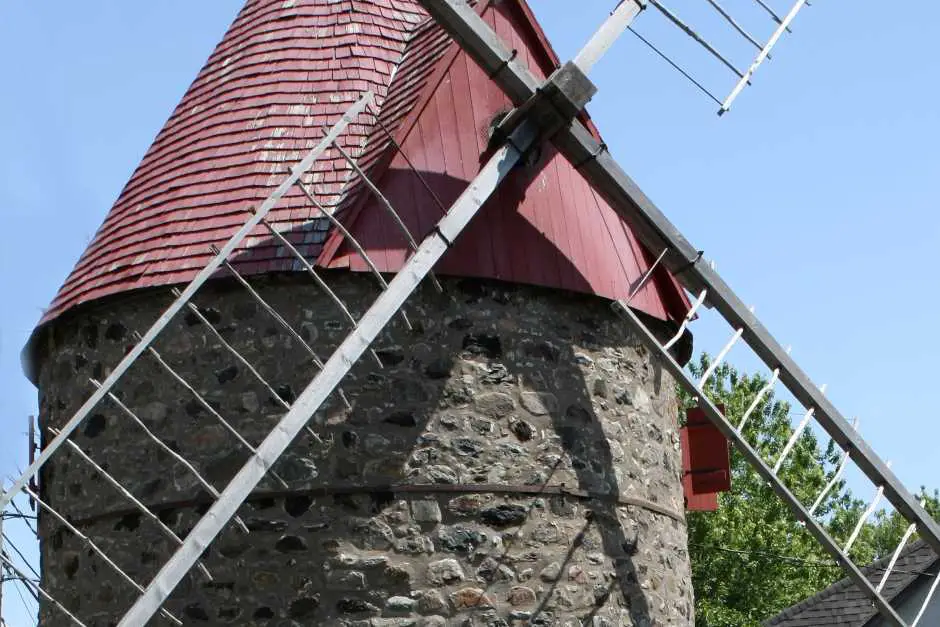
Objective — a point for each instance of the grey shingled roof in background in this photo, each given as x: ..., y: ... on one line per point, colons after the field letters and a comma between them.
x: 843, y: 605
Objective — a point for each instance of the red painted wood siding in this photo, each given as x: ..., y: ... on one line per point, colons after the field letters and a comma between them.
x: 284, y: 71
x: 544, y: 226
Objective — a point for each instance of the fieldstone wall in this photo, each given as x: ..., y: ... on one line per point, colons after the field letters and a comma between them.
x: 516, y: 461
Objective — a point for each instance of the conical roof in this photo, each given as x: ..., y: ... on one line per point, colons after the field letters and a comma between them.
x: 286, y: 69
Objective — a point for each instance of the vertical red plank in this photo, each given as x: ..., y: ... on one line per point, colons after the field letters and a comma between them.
x: 399, y: 188
x: 622, y: 264
x: 484, y: 103
x: 513, y: 237
x: 560, y: 235
x: 475, y: 252
x: 578, y: 256
x: 446, y: 119
x: 434, y: 166
x: 540, y: 255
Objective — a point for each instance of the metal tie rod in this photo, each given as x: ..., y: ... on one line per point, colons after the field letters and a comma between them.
x: 404, y: 155
x: 678, y: 68
x: 284, y: 324
x: 38, y: 589
x: 772, y: 13
x: 758, y: 398
x: 646, y: 277
x: 204, y: 275
x: 734, y: 24
x: 130, y: 497
x: 238, y: 356
x: 687, y: 319
x: 835, y: 477
x: 796, y: 435
x: 355, y: 244
x: 879, y: 492
x: 729, y: 431
x: 655, y: 231
x: 672, y: 17
x: 166, y: 448
x: 337, y: 366
x: 763, y: 54
x: 897, y: 553
x: 388, y: 207
x: 95, y: 549
x: 319, y: 280
x: 208, y: 407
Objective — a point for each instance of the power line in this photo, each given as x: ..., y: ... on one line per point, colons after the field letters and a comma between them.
x: 7, y: 540
x: 800, y: 560
x: 17, y: 579
x: 26, y: 518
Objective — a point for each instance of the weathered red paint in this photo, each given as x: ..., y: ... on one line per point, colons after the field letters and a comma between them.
x: 280, y: 74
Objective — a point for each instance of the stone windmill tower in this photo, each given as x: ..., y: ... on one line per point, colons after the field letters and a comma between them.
x: 485, y: 442
x: 531, y: 443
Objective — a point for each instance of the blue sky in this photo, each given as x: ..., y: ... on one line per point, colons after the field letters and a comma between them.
x: 816, y: 196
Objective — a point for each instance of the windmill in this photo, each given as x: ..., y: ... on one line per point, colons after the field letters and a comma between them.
x: 545, y: 122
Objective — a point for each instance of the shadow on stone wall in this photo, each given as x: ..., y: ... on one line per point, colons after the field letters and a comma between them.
x: 441, y: 494
x: 519, y: 388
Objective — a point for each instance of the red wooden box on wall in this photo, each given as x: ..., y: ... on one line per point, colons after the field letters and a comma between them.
x: 706, y: 462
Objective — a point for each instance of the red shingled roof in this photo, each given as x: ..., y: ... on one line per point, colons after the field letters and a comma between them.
x: 286, y: 69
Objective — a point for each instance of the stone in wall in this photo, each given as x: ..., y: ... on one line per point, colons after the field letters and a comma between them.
x: 473, y: 479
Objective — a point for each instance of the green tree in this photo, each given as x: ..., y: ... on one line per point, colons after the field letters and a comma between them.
x: 751, y: 558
